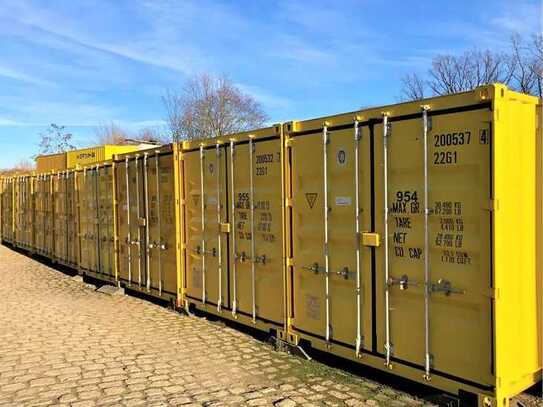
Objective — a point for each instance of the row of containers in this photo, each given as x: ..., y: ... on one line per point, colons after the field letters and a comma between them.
x: 406, y: 238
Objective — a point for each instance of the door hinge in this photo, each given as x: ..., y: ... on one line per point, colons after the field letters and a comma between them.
x: 288, y: 202
x: 492, y: 292
x: 492, y: 205
x: 290, y: 262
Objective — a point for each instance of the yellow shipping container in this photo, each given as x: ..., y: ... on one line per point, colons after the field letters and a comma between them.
x: 44, y: 237
x: 412, y: 233
x: 233, y: 216
x: 24, y: 211
x: 93, y: 155
x: 65, y: 219
x: 51, y: 162
x: 147, y: 222
x: 7, y: 215
x: 96, y: 225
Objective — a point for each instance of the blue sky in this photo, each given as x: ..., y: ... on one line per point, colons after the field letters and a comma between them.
x: 84, y: 63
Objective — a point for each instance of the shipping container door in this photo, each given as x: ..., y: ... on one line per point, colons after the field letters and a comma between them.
x: 89, y: 252
x: 17, y: 210
x: 28, y: 208
x: 131, y: 221
x: 104, y: 205
x: 332, y: 272
x: 71, y: 219
x: 59, y: 194
x: 38, y: 202
x: 84, y: 229
x: 205, y: 192
x: 161, y: 200
x: 256, y: 248
x: 49, y: 217
x: 433, y: 304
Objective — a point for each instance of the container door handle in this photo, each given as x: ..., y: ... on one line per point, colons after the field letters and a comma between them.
x: 446, y: 287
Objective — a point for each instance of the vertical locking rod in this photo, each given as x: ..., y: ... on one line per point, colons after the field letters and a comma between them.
x: 234, y: 231
x: 219, y: 220
x: 326, y: 214
x: 203, y: 227
x: 388, y: 347
x: 159, y: 245
x: 129, y: 234
x: 146, y: 205
x: 98, y: 214
x: 426, y: 251
x: 138, y: 208
x: 66, y: 236
x: 357, y: 137
x: 252, y: 205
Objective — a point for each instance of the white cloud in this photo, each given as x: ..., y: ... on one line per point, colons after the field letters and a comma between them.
x: 4, y: 122
x: 17, y: 75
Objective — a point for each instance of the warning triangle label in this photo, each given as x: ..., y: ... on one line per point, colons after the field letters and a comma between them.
x: 195, y: 199
x: 311, y: 199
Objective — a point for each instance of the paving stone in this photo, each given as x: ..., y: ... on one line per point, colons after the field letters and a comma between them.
x: 64, y: 344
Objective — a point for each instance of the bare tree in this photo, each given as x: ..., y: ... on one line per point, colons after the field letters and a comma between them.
x: 413, y: 87
x: 452, y: 74
x: 152, y: 135
x: 211, y: 106
x: 55, y: 140
x: 525, y: 74
x: 110, y: 133
x: 520, y: 68
x: 24, y: 165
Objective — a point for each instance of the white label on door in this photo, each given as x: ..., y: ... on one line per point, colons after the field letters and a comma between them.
x: 343, y: 200
x: 212, y: 200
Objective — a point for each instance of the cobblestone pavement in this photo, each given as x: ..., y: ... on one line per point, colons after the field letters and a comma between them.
x: 62, y: 343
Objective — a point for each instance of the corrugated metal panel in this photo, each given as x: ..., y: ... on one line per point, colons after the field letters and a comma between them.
x: 93, y: 155
x: 51, y: 162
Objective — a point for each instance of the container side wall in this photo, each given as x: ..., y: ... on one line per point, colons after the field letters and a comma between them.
x: 518, y: 340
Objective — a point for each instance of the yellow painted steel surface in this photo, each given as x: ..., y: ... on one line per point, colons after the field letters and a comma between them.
x: 339, y: 318
x: 96, y: 228
x: 93, y: 155
x: 51, y: 162
x: 146, y: 215
x: 24, y: 211
x: 430, y: 258
x: 7, y: 216
x: 65, y: 218
x: 233, y: 216
x: 44, y: 237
